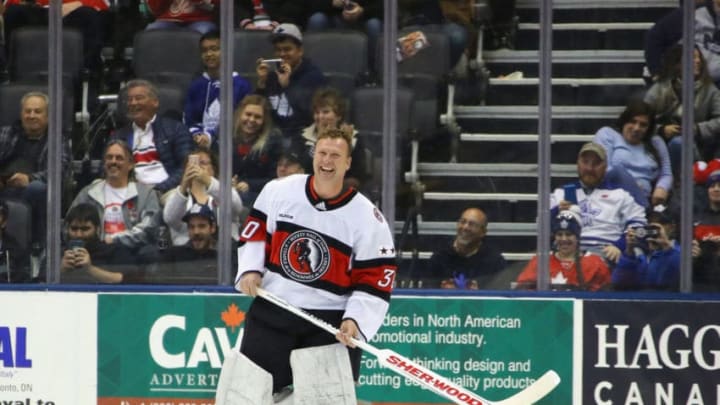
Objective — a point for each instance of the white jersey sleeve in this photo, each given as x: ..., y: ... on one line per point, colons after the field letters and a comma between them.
x: 258, y: 225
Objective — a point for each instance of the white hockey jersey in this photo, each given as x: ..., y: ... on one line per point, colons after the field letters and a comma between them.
x: 321, y: 254
x: 606, y: 212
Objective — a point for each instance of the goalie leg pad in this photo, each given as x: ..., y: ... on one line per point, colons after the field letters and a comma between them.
x: 322, y: 375
x: 243, y: 382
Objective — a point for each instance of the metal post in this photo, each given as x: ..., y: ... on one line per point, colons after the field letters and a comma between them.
x: 55, y: 135
x: 544, y: 131
x: 224, y: 218
x: 389, y: 140
x: 688, y: 120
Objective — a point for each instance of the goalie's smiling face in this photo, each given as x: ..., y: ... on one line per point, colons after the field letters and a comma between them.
x: 331, y: 159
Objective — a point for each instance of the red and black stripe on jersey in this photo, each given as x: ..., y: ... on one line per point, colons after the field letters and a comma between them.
x: 256, y: 221
x: 255, y: 230
x: 368, y: 274
x: 342, y: 275
x: 343, y: 198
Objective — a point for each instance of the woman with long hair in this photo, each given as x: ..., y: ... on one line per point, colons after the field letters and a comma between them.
x: 665, y: 96
x: 257, y: 147
x: 638, y: 161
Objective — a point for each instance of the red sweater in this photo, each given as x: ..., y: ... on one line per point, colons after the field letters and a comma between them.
x: 595, y: 272
x: 185, y: 11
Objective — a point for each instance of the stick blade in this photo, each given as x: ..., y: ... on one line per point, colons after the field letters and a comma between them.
x: 535, y: 392
x: 427, y: 378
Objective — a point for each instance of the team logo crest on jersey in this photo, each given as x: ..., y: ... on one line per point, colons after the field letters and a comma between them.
x: 304, y: 256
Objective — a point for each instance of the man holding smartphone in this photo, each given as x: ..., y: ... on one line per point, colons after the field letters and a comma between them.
x: 290, y: 84
x: 88, y: 259
x: 651, y: 259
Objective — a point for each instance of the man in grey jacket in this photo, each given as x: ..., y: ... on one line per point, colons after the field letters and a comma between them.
x: 129, y: 211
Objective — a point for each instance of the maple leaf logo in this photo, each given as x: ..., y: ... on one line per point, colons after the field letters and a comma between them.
x: 232, y: 317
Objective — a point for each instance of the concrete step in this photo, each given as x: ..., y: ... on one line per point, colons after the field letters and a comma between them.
x: 492, y: 169
x: 565, y: 91
x: 476, y: 137
x: 585, y: 35
x: 494, y: 228
x: 530, y: 112
x: 568, y: 63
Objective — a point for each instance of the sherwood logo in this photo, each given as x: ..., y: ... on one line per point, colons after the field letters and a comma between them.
x: 411, y: 371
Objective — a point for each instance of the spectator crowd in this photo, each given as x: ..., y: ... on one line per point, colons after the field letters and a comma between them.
x: 150, y: 215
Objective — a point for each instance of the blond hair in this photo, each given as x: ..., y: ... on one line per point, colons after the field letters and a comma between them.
x: 343, y: 133
x: 254, y: 99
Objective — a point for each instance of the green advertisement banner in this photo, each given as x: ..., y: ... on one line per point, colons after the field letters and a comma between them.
x: 165, y: 348
x: 169, y: 348
x: 493, y: 347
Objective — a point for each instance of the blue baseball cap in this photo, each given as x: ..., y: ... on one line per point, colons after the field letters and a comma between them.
x: 202, y: 210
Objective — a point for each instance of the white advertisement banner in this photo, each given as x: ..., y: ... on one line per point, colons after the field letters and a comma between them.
x: 48, y: 348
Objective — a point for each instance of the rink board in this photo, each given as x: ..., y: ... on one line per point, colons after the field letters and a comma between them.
x: 144, y: 349
x: 48, y: 347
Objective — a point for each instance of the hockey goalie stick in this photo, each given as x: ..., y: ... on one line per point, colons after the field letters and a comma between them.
x: 423, y: 376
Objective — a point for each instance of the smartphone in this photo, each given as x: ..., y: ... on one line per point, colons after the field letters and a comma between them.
x: 646, y: 231
x: 651, y: 231
x: 276, y: 63
x: 570, y: 193
x: 194, y: 160
x: 75, y: 244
